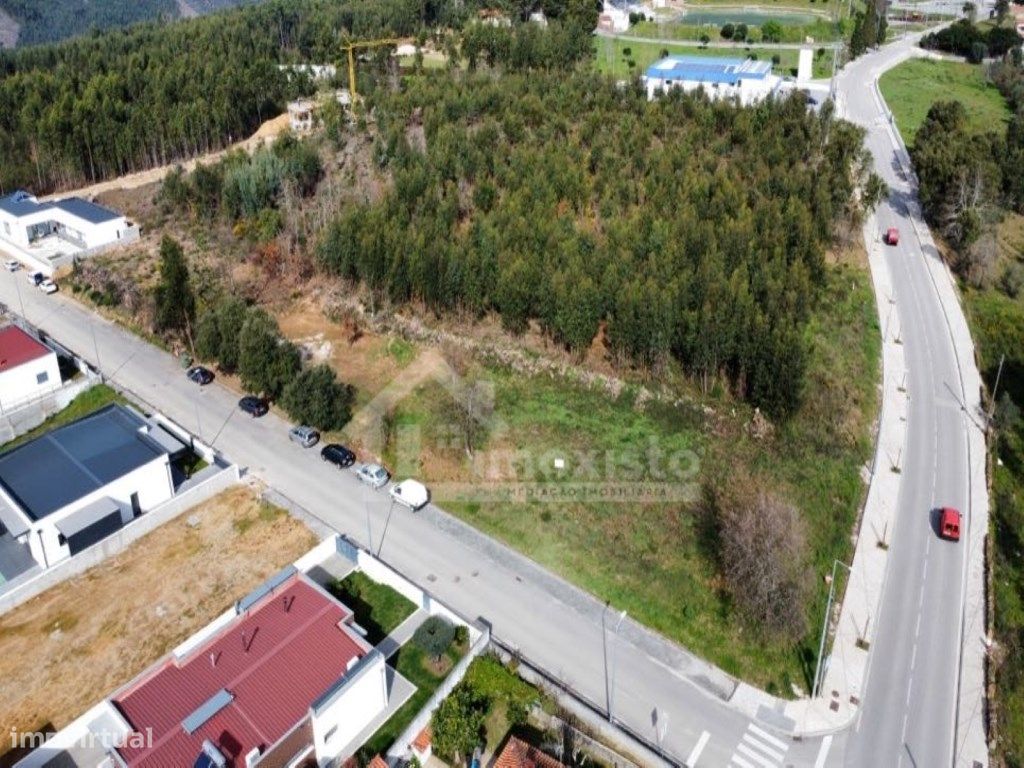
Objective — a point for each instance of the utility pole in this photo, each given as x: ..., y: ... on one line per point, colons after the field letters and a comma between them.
x: 995, y: 387
x: 819, y: 668
x: 609, y: 682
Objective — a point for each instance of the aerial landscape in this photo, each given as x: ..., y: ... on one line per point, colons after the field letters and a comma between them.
x: 515, y: 384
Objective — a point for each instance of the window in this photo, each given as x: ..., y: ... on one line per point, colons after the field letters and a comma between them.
x: 42, y: 378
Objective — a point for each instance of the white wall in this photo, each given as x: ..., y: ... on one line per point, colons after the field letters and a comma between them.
x: 747, y: 91
x: 152, y: 482
x: 341, y: 720
x: 20, y: 384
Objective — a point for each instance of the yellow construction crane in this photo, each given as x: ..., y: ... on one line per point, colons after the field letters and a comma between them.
x: 350, y: 47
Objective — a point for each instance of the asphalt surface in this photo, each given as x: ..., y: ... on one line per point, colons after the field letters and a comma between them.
x: 909, y: 706
x: 657, y: 690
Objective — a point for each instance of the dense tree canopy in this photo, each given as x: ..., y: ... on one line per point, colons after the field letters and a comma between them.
x: 695, y: 230
x: 964, y: 38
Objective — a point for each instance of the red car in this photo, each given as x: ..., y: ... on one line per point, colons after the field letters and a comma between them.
x: 949, y: 524
x: 892, y: 236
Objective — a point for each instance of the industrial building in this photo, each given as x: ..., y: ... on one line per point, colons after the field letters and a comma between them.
x: 73, y: 486
x: 44, y: 232
x: 746, y: 80
x: 28, y: 368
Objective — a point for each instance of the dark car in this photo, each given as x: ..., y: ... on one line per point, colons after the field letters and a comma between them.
x: 201, y: 376
x: 254, y: 406
x: 338, y: 455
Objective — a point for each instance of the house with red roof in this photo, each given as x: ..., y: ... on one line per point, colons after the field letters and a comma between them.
x: 28, y: 368
x: 518, y: 754
x: 280, y: 680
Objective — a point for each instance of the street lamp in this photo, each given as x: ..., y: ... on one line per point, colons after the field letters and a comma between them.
x: 819, y: 668
x: 609, y: 682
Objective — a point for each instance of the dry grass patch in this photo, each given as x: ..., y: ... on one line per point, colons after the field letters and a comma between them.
x: 86, y: 637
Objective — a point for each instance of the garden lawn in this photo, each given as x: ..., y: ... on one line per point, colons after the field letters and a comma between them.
x: 412, y: 663
x: 651, y: 557
x: 378, y: 608
x: 911, y: 88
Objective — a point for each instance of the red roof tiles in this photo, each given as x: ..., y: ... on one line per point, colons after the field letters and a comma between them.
x: 275, y: 662
x: 518, y: 754
x: 17, y: 348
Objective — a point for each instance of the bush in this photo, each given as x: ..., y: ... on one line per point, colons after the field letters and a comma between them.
x: 266, y: 362
x: 461, y: 634
x: 741, y: 33
x: 458, y: 723
x: 727, y: 31
x: 315, y: 397
x: 1012, y: 280
x: 434, y: 636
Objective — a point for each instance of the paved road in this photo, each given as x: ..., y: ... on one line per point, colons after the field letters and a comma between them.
x: 909, y: 708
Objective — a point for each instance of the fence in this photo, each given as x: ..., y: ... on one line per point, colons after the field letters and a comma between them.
x: 29, y: 413
x: 119, y: 541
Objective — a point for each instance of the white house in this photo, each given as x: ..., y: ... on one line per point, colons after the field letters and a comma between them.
x: 746, y: 80
x: 24, y: 221
x: 77, y: 484
x: 28, y: 368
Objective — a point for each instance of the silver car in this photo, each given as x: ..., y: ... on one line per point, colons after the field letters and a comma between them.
x: 304, y: 436
x: 374, y: 475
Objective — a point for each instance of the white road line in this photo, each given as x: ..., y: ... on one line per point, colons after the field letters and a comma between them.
x: 756, y: 757
x: 737, y: 760
x: 702, y: 742
x: 750, y: 739
x: 768, y: 737
x: 917, y: 629
x: 826, y: 745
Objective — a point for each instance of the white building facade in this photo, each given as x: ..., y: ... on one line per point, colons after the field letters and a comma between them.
x: 28, y: 368
x: 71, y: 487
x: 744, y: 80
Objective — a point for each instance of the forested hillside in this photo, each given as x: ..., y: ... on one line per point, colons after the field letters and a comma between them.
x: 54, y: 20
x: 696, y: 230
x: 104, y: 105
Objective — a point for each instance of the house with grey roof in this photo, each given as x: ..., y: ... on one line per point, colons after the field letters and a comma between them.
x: 47, y: 231
x: 73, y: 486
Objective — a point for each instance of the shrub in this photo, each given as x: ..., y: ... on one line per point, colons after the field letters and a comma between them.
x: 458, y: 723
x: 741, y: 32
x: 461, y: 634
x: 434, y: 636
x: 316, y: 397
x: 727, y: 31
x: 266, y: 362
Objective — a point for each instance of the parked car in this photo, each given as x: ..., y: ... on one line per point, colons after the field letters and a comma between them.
x: 411, y: 493
x: 13, y: 265
x: 46, y: 285
x: 374, y: 475
x: 254, y: 406
x: 200, y: 375
x: 892, y: 236
x: 338, y: 455
x: 304, y: 436
x: 35, y: 278
x: 949, y: 523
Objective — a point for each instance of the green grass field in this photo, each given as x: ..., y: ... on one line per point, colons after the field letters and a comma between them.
x: 378, y: 608
x: 611, y: 58
x: 911, y: 88
x: 653, y: 558
x: 91, y: 400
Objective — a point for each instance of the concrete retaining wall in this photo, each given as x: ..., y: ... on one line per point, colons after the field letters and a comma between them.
x: 119, y: 541
x: 24, y: 418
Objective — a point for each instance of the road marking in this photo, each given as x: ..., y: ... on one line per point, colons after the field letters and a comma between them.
x: 917, y: 629
x: 759, y: 749
x: 754, y: 755
x: 913, y: 658
x: 826, y: 745
x: 702, y: 742
x: 768, y: 737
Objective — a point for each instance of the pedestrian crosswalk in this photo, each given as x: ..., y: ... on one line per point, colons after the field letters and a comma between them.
x: 759, y: 749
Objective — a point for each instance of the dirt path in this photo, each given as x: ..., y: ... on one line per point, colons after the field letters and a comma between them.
x: 266, y: 134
